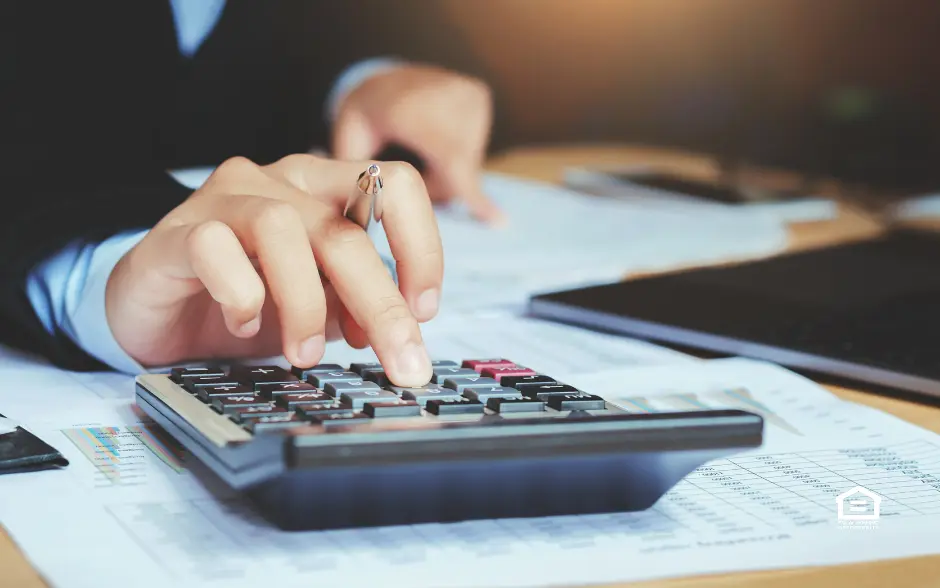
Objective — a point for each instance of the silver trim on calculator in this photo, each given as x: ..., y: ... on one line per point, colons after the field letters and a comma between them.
x: 217, y: 428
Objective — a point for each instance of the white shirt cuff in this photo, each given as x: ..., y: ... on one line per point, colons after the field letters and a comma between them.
x: 86, y: 319
x: 353, y: 77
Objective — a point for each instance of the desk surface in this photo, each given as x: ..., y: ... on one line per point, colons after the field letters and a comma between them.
x: 547, y: 164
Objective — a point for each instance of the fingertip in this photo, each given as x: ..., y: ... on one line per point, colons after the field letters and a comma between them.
x: 354, y: 138
x: 308, y: 352
x: 411, y: 366
x: 426, y: 304
x: 489, y: 214
x: 239, y: 327
x: 251, y: 328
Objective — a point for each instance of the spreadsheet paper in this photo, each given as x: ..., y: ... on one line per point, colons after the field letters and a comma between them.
x: 148, y: 516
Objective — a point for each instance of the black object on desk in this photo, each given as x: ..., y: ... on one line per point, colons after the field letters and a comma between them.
x: 867, y: 311
x: 21, y: 451
x: 485, y: 439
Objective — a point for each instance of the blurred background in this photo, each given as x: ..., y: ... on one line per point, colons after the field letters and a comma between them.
x: 843, y: 88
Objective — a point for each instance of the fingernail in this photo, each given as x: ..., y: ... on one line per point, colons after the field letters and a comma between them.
x: 414, y: 364
x: 311, y: 350
x: 427, y: 304
x: 251, y: 327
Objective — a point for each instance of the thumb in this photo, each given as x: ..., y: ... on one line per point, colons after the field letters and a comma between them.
x: 354, y: 137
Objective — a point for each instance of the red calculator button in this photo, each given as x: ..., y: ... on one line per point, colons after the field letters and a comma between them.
x: 512, y: 370
x: 479, y: 364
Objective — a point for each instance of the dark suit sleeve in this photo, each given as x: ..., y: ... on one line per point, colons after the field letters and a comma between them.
x: 97, y: 104
x: 75, y: 159
x: 417, y: 31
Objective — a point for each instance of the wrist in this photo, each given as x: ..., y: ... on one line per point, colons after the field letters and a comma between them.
x: 354, y: 77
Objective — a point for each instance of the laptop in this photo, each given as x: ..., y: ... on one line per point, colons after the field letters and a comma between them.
x: 868, y: 312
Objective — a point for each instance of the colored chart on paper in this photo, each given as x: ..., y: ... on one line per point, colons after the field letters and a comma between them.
x: 123, y: 455
x: 739, y: 398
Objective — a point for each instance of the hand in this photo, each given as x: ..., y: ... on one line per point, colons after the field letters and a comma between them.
x: 235, y: 271
x: 441, y: 116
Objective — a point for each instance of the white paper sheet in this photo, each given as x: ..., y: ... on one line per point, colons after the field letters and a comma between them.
x: 595, y: 181
x: 7, y: 426
x: 145, y: 518
x: 558, y: 238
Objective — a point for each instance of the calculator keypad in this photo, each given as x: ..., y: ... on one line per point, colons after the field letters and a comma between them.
x: 265, y: 399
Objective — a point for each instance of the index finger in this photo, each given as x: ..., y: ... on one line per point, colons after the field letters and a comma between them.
x: 411, y: 227
x: 407, y: 216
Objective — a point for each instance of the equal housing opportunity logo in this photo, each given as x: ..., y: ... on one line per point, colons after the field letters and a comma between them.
x: 859, y: 509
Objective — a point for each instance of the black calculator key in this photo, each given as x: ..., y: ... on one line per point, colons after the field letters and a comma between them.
x: 320, y: 380
x: 505, y: 405
x: 462, y: 384
x: 245, y: 414
x: 272, y: 391
x: 317, y: 410
x: 263, y: 374
x: 578, y: 401
x: 442, y: 406
x: 543, y: 391
x: 178, y: 375
x: 453, y: 373
x: 193, y: 384
x: 379, y: 377
x: 519, y: 382
x: 400, y: 408
x: 317, y: 369
x: 207, y: 393
x: 424, y: 393
x: 275, y: 422
x: 229, y: 404
x: 292, y: 400
x: 497, y: 391
x: 361, y: 367
x: 356, y: 398
x: 345, y: 418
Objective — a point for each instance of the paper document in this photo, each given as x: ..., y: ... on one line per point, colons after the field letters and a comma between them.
x: 604, y: 182
x: 6, y: 426
x: 157, y: 520
x: 558, y: 238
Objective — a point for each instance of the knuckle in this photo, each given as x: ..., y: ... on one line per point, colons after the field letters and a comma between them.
x: 204, y: 236
x: 432, y: 260
x: 296, y: 167
x: 402, y: 173
x: 236, y: 166
x: 233, y: 173
x: 249, y: 297
x: 341, y: 232
x: 391, y: 312
x: 300, y: 160
x: 275, y: 217
x: 312, y: 311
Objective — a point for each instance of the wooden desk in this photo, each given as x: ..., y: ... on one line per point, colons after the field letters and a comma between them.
x: 547, y: 165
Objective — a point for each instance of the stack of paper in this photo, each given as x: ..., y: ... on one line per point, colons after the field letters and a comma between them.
x: 132, y: 510
x: 558, y: 238
x: 156, y: 518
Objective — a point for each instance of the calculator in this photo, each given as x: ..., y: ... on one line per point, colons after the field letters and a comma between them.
x: 342, y: 446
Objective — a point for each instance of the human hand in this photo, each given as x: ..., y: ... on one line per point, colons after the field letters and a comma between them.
x: 235, y: 270
x: 442, y: 116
